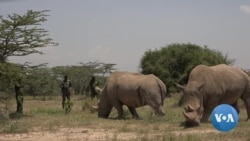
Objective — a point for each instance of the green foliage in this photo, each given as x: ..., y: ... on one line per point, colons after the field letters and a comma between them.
x: 39, y: 80
x: 174, y: 62
x: 247, y: 72
x: 9, y: 73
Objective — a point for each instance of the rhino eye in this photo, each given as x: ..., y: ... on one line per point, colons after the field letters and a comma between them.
x: 200, y: 109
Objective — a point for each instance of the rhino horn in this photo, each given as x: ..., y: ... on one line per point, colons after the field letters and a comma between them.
x: 182, y: 88
x: 190, y: 108
x: 187, y: 116
x: 95, y: 108
x: 98, y: 90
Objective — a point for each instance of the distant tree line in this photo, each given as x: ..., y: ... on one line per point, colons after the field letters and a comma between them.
x: 174, y: 62
x: 44, y: 81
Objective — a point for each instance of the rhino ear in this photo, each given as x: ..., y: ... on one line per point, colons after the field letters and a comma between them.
x: 182, y: 88
x: 201, y: 86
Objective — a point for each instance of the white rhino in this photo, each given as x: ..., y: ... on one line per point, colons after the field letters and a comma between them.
x: 208, y: 87
x: 133, y: 90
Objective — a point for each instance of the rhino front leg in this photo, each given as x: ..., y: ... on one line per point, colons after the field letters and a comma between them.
x: 134, y: 113
x: 119, y: 109
x: 159, y: 111
x: 206, y: 113
x: 208, y: 108
x: 235, y: 105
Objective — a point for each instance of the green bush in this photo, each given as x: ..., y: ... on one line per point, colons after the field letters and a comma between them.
x: 174, y: 62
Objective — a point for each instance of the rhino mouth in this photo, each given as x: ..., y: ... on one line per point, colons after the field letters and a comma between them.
x: 106, y: 115
x: 192, y: 119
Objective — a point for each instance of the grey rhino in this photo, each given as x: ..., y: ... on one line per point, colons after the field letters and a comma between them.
x: 208, y: 87
x: 133, y: 90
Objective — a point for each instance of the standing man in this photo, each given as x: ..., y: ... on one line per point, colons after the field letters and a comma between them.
x: 19, y: 96
x: 92, y: 83
x: 65, y: 87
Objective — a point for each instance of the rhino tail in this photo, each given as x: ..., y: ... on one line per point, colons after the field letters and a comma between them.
x: 163, y: 91
x: 141, y: 100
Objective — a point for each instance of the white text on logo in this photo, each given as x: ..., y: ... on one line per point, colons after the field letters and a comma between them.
x: 226, y: 118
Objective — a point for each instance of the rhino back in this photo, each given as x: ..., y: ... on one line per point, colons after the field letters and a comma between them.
x: 131, y: 89
x: 219, y: 80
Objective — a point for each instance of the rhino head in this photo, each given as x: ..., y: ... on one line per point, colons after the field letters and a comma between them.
x: 104, y: 107
x: 193, y: 108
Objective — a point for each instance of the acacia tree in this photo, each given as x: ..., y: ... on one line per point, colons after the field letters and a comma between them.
x: 20, y: 35
x: 174, y: 62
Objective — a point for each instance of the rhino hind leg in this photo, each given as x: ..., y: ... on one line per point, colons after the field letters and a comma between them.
x: 134, y: 113
x: 246, y: 98
x: 248, y: 109
x: 247, y: 103
x: 159, y: 111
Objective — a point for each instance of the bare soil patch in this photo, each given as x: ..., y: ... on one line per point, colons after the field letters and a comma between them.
x: 88, y: 134
x: 70, y: 134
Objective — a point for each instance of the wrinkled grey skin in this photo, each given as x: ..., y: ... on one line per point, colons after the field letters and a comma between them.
x: 133, y: 90
x: 208, y: 87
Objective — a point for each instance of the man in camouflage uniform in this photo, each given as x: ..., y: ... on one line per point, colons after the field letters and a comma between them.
x: 19, y: 96
x: 65, y: 88
x: 92, y: 85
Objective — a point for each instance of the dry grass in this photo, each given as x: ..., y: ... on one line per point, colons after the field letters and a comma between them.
x: 46, y: 119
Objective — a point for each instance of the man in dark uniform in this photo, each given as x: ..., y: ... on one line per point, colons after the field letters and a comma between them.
x: 92, y: 83
x: 65, y: 87
x: 19, y: 96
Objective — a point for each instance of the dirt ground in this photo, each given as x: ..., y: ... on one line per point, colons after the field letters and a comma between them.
x: 69, y: 134
x: 84, y: 134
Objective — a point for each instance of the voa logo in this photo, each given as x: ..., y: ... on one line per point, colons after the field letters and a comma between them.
x: 224, y: 117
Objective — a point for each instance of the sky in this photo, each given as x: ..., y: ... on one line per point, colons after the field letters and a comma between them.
x: 120, y: 31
